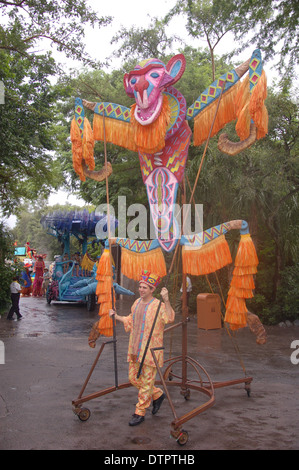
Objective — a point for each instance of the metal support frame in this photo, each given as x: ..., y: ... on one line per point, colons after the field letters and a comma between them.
x: 202, y: 384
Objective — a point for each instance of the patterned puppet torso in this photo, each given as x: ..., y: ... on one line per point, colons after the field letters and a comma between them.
x: 148, y: 314
x: 163, y: 172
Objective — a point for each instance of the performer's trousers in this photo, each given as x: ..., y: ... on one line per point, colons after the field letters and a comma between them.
x: 145, y: 385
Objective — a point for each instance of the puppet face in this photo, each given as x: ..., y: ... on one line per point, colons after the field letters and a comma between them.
x: 147, y: 82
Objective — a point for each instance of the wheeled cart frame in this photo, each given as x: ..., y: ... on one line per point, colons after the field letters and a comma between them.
x: 168, y: 379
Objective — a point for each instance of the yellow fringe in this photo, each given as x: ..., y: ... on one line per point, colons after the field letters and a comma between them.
x: 87, y: 263
x: 206, y: 259
x: 77, y: 149
x: 133, y: 263
x: 117, y: 132
x: 226, y: 113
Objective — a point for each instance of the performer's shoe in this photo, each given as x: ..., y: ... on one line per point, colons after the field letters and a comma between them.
x: 157, y: 403
x: 136, y: 419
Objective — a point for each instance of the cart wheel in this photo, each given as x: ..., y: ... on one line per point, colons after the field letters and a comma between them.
x: 186, y: 393
x: 48, y: 296
x: 84, y: 414
x: 183, y: 438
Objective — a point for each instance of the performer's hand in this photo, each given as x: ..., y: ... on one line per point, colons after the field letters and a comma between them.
x: 111, y: 313
x: 164, y: 294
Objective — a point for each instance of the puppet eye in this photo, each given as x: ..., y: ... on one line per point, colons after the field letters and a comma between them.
x: 133, y: 81
x: 154, y: 75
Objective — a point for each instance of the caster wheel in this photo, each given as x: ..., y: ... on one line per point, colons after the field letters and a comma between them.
x: 186, y: 393
x: 180, y: 436
x: 84, y: 414
x: 183, y: 438
x: 248, y: 390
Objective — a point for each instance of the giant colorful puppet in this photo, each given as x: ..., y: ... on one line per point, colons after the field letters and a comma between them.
x: 157, y: 128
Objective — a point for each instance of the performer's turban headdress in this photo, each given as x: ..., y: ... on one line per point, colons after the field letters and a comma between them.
x: 152, y: 280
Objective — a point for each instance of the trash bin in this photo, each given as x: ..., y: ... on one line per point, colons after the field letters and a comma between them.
x: 208, y: 311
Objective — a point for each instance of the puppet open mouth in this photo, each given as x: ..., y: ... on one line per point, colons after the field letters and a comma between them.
x: 145, y: 115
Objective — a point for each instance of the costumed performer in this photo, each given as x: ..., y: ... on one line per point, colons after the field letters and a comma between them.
x: 39, y: 267
x: 139, y: 324
x: 26, y: 282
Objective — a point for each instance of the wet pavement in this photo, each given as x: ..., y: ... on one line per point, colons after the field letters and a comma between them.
x: 47, y: 359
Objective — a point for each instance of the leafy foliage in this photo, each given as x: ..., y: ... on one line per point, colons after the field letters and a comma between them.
x: 7, y: 270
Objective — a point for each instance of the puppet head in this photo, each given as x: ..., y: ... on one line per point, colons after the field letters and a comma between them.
x: 147, y: 82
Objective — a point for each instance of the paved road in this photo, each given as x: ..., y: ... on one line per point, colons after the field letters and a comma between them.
x: 47, y: 359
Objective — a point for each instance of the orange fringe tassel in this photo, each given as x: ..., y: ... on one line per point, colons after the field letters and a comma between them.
x: 237, y: 103
x: 133, y: 263
x: 151, y: 138
x: 251, y: 106
x: 240, y: 292
x: 77, y: 149
x: 226, y: 113
x: 242, y: 270
x: 257, y: 109
x: 206, y: 259
x: 242, y: 283
x: 104, y: 293
x: 246, y: 254
x: 116, y: 132
x: 243, y: 95
x: 88, y: 145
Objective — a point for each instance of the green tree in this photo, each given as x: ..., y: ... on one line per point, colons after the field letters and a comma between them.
x: 272, y: 26
x: 210, y: 20
x: 55, y: 24
x: 28, y: 121
x: 7, y: 268
x: 144, y: 43
x: 27, y: 130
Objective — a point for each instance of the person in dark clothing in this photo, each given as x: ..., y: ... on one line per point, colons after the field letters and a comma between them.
x: 15, y: 290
